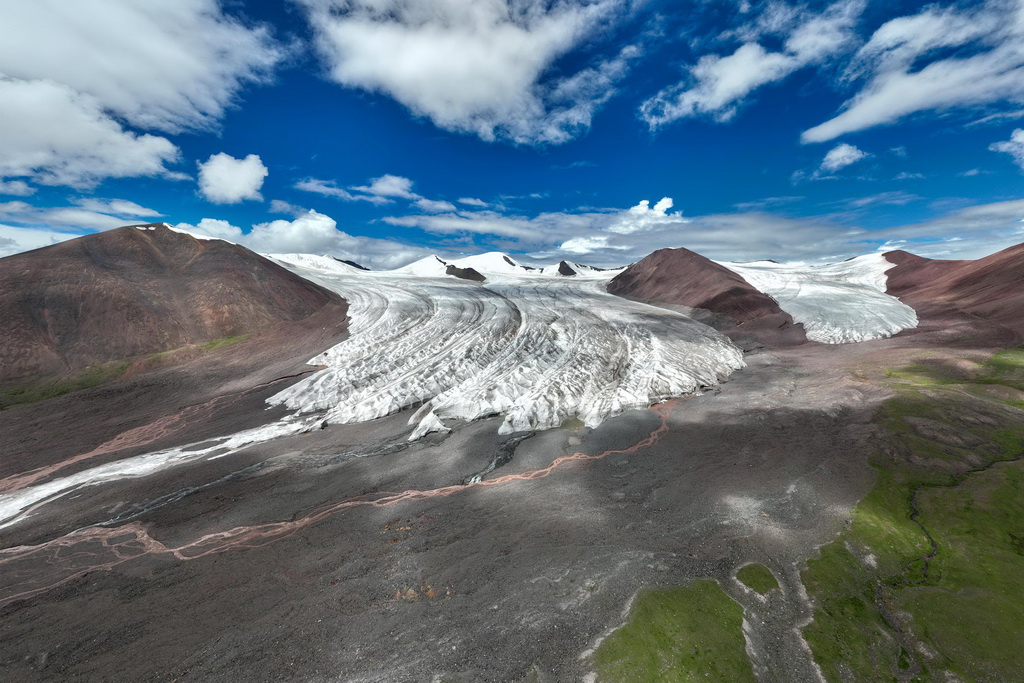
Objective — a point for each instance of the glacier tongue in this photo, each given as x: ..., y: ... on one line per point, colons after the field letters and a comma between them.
x: 535, y: 350
x: 836, y: 303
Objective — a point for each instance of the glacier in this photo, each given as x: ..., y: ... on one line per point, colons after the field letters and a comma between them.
x: 836, y: 303
x: 534, y: 349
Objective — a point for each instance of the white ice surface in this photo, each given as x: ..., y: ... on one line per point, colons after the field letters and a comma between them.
x: 836, y: 303
x: 534, y: 350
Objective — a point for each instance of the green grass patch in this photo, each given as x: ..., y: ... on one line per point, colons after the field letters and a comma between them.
x: 757, y: 577
x: 1006, y: 368
x: 888, y: 606
x: 224, y: 342
x: 919, y: 374
x: 36, y: 390
x: 33, y: 391
x: 678, y: 634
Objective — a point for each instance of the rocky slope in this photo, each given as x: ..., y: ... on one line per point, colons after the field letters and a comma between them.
x: 988, y: 288
x: 138, y: 290
x: 685, y: 278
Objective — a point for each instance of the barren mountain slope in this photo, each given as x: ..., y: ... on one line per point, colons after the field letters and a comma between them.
x: 137, y: 290
x: 682, y: 277
x: 989, y: 288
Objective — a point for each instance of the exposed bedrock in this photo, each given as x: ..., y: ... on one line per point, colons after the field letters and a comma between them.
x: 464, y: 273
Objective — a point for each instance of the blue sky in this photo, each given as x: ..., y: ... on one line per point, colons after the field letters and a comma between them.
x: 385, y: 130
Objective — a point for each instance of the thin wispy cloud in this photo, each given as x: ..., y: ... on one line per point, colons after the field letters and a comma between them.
x: 717, y: 85
x: 1014, y: 147
x: 906, y: 66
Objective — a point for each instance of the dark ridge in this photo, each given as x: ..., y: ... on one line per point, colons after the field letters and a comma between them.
x: 350, y: 263
x: 465, y: 273
x: 518, y: 265
x: 565, y: 269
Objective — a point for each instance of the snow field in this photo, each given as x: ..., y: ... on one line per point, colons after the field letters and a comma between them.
x: 836, y: 303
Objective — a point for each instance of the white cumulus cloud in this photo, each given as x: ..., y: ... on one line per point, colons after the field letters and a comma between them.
x: 77, y: 77
x: 642, y: 217
x: 14, y: 240
x: 478, y: 67
x: 57, y: 136
x: 841, y: 156
x: 388, y: 186
x: 161, y: 65
x: 311, y: 233
x: 224, y: 179
x: 91, y: 213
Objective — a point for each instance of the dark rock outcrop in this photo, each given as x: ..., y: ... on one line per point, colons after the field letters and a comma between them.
x: 138, y: 290
x: 464, y: 273
x: 358, y: 266
x: 684, y: 278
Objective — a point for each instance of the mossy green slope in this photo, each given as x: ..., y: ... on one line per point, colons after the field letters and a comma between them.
x: 35, y: 390
x: 926, y: 584
x: 757, y: 577
x: 689, y: 633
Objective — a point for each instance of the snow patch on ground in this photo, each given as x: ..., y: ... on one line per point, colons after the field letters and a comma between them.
x: 535, y: 350
x: 836, y: 303
x: 205, y: 238
x: 15, y: 505
x: 321, y: 264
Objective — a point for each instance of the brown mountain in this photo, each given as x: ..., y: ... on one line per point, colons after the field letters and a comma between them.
x: 991, y: 288
x: 684, y: 278
x: 138, y: 290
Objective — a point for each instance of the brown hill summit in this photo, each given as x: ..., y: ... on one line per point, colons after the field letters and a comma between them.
x: 684, y: 278
x: 138, y: 290
x: 991, y: 288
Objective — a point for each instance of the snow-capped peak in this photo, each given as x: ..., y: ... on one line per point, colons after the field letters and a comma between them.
x: 430, y: 266
x: 493, y: 262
